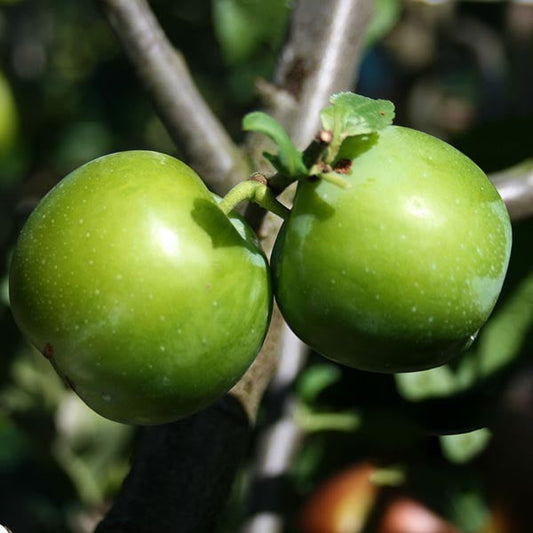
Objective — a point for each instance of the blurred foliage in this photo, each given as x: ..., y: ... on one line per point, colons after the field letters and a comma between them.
x: 460, y: 70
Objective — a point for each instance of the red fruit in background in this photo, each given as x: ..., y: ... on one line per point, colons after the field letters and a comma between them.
x: 405, y: 515
x: 341, y: 504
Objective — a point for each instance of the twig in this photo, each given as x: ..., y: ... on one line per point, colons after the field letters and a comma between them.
x: 159, y: 494
x: 164, y: 73
x: 515, y: 186
x: 321, y: 58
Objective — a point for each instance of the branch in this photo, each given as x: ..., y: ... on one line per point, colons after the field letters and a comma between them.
x: 164, y: 74
x: 515, y: 186
x: 321, y: 57
x: 169, y: 485
x: 182, y: 473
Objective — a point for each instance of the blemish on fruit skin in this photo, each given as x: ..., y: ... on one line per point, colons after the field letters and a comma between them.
x: 48, y: 351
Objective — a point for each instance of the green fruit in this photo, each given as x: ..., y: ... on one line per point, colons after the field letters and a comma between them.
x: 147, y: 299
x: 8, y: 117
x: 400, y: 270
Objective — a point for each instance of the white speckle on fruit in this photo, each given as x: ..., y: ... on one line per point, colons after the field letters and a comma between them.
x: 106, y: 397
x: 162, y: 348
x: 417, y: 206
x: 118, y: 277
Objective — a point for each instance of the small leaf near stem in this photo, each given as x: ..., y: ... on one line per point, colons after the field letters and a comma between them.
x: 255, y: 190
x: 288, y: 160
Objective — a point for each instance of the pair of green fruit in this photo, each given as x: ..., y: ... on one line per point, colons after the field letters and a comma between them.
x: 151, y: 302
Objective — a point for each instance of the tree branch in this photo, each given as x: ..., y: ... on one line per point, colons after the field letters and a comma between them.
x: 208, y: 447
x: 321, y: 57
x: 164, y: 74
x: 515, y: 186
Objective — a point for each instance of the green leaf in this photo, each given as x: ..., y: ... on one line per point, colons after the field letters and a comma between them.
x: 469, y: 512
x: 312, y: 421
x: 464, y: 447
x: 393, y: 476
x: 386, y: 15
x: 289, y: 160
x: 350, y: 115
x: 418, y: 386
x: 504, y: 335
x: 315, y: 379
x: 246, y: 27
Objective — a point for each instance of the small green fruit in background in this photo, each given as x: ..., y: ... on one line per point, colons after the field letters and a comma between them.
x: 398, y: 271
x: 8, y: 117
x: 147, y: 299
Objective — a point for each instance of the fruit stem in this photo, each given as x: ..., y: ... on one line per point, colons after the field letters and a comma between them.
x: 335, y: 179
x: 255, y: 190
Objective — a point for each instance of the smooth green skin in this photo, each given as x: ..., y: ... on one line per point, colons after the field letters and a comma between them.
x: 399, y: 271
x: 149, y: 301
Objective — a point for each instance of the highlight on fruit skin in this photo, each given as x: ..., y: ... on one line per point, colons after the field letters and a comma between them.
x: 147, y: 300
x: 399, y: 270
